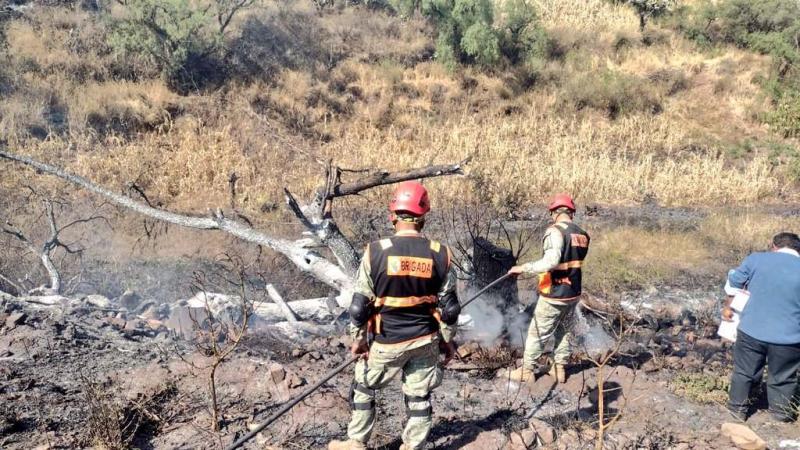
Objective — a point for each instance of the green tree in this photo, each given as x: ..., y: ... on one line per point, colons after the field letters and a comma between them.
x: 469, y: 31
x: 178, y: 36
x: 650, y: 8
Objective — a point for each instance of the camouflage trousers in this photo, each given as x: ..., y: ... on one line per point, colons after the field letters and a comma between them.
x: 550, y: 320
x: 418, y: 364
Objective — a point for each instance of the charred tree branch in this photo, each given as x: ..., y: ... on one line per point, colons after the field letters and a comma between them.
x: 278, y: 299
x: 306, y: 260
x: 384, y: 177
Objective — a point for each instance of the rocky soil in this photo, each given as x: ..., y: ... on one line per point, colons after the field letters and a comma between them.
x: 83, y: 372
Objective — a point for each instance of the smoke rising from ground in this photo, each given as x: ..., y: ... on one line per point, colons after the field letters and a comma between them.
x: 482, y: 321
x: 589, y: 335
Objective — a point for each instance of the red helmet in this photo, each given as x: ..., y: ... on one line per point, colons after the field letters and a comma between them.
x: 561, y: 201
x: 410, y: 197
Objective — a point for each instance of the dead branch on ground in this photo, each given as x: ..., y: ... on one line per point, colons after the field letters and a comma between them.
x: 52, y: 242
x: 317, y: 217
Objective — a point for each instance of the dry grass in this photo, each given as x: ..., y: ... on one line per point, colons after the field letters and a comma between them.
x: 633, y: 257
x: 188, y: 168
x: 523, y: 158
x: 735, y: 235
x: 587, y: 14
x: 120, y: 106
x: 378, y: 106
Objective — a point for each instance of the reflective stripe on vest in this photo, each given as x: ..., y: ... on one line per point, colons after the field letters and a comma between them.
x: 569, y: 265
x: 404, y: 302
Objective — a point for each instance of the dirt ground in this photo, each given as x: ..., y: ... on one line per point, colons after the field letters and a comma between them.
x: 70, y: 378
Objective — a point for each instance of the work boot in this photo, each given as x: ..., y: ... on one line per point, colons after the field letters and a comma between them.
x: 346, y: 445
x: 521, y: 375
x: 558, y: 372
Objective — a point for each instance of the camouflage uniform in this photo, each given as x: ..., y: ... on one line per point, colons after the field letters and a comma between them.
x: 416, y: 360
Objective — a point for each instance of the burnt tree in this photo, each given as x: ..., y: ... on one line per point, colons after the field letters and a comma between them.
x: 316, y: 216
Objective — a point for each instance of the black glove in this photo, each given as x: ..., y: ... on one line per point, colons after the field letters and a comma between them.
x: 449, y: 351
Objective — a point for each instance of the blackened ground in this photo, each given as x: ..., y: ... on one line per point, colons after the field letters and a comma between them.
x: 60, y: 370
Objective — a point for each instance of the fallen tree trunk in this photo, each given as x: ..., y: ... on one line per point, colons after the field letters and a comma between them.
x: 308, y: 261
x: 321, y: 223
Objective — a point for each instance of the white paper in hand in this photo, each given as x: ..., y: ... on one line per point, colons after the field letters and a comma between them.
x: 740, y: 301
x: 727, y: 329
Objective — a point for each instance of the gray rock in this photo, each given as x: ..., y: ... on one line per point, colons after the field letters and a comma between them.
x: 183, y: 320
x: 98, y: 301
x: 545, y: 433
x: 14, y: 319
x: 147, y: 306
x: 129, y: 300
x: 277, y: 373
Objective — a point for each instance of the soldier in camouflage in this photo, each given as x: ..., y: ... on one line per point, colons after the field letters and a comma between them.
x: 405, y: 299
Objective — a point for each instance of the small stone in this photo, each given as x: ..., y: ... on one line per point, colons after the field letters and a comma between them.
x: 129, y: 300
x: 295, y: 381
x: 467, y: 349
x: 516, y: 442
x: 546, y: 433
x: 277, y: 373
x: 528, y: 437
x: 117, y: 322
x: 150, y: 313
x: 296, y: 353
x: 98, y: 301
x: 316, y: 356
x: 15, y: 319
x: 133, y: 327
x: 743, y: 437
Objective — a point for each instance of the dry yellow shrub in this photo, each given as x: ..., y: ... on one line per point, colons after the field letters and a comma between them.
x: 527, y: 156
x: 598, y: 15
x: 738, y: 233
x: 133, y: 104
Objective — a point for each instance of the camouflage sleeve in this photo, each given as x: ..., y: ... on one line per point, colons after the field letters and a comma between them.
x: 552, y: 244
x: 448, y: 289
x: 363, y: 286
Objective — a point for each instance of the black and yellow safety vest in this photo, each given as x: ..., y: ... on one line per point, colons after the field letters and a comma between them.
x: 563, y: 282
x: 407, y: 272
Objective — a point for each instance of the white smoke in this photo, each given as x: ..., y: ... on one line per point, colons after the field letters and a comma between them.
x: 590, y: 336
x: 518, y: 323
x: 481, y: 322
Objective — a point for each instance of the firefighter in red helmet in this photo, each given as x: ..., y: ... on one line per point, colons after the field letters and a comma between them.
x: 405, y: 299
x: 565, y: 246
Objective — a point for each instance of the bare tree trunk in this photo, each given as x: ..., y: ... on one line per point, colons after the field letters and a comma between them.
x: 601, y: 427
x: 276, y: 297
x: 309, y: 261
x: 52, y: 272
x: 212, y: 382
x: 321, y: 223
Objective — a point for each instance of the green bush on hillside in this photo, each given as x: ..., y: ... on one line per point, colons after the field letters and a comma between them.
x: 182, y: 38
x: 770, y: 27
x: 610, y: 92
x: 785, y: 118
x: 474, y: 32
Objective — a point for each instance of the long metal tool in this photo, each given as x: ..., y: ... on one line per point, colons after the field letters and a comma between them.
x: 483, y: 291
x: 289, y: 405
x: 285, y: 408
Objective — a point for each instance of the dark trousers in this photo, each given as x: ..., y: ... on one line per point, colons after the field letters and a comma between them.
x: 783, y: 362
